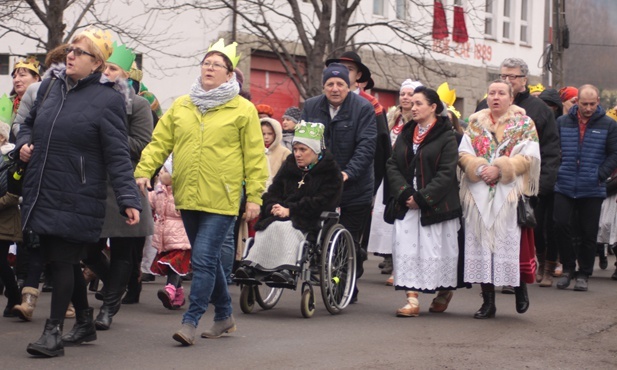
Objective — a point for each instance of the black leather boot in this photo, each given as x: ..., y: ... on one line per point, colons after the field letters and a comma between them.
x: 488, y: 309
x: 50, y: 343
x: 522, y: 299
x: 83, y: 330
x: 133, y: 291
x: 119, y: 273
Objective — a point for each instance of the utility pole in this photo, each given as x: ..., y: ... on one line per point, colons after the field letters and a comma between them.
x: 561, y: 41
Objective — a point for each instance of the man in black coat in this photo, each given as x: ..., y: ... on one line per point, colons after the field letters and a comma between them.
x: 350, y: 135
x: 515, y: 71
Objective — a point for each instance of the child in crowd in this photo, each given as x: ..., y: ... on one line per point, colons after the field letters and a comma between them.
x: 290, y: 120
x: 275, y: 152
x: 174, y: 250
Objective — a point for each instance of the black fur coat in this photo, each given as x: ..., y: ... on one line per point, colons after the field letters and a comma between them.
x: 321, y: 191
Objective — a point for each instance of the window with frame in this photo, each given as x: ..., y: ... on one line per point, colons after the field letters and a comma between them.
x: 401, y: 9
x: 379, y: 7
x: 489, y: 19
x: 507, y: 20
x: 4, y: 64
x: 524, y: 22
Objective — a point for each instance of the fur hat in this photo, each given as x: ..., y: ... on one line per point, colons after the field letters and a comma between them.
x: 336, y: 70
x: 409, y: 84
x: 293, y: 114
x: 309, y: 134
x: 351, y: 56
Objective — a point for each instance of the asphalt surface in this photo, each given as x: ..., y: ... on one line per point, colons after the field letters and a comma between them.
x: 561, y: 330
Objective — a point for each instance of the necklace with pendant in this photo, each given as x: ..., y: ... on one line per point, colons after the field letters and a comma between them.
x: 301, y: 182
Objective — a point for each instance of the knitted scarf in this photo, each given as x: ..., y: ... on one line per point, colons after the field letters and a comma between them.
x: 205, y: 100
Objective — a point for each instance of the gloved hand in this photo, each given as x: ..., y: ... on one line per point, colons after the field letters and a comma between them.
x: 13, y: 186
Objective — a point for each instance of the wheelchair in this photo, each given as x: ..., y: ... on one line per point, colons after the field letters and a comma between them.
x: 328, y: 262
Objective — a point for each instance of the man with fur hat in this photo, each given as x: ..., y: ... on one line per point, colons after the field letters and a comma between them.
x: 350, y: 133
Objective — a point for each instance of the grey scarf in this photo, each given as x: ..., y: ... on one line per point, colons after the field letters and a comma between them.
x: 205, y: 100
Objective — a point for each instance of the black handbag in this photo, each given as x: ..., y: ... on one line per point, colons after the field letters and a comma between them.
x: 524, y: 213
x: 394, y: 211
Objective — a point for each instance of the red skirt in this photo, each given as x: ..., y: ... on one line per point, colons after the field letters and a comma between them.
x: 178, y: 260
x: 527, y: 260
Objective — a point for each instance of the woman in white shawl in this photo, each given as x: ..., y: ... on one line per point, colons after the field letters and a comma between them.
x: 500, y: 157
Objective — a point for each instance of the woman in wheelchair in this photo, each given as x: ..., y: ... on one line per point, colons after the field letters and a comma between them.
x: 308, y: 183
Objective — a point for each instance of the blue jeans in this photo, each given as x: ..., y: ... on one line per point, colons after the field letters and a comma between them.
x: 206, y: 233
x: 228, y: 253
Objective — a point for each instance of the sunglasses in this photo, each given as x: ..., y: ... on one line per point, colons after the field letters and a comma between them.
x: 77, y: 51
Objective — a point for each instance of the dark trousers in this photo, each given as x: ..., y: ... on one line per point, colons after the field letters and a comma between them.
x: 354, y: 219
x: 584, y: 212
x: 544, y: 233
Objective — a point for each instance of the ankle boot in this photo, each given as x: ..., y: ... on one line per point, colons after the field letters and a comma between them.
x: 28, y: 303
x: 412, y: 308
x: 133, y: 290
x: 14, y: 298
x: 83, y: 330
x: 549, y: 269
x: 119, y: 273
x: 50, y: 343
x: 522, y: 298
x: 488, y: 309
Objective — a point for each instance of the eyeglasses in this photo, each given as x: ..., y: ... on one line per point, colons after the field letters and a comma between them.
x: 77, y: 51
x: 510, y: 77
x: 214, y: 66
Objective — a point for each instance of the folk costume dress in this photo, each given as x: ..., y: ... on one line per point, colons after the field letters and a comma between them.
x: 492, y: 235
x: 425, y: 245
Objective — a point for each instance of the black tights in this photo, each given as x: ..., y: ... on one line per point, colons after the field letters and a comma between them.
x: 69, y: 286
x: 6, y: 272
x: 174, y: 279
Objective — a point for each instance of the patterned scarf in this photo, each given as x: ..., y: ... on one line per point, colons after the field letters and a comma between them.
x: 205, y: 100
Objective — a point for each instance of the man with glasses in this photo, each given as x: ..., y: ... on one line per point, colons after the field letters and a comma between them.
x: 515, y: 70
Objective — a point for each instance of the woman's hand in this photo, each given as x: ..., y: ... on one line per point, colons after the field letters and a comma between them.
x: 490, y: 174
x: 411, y: 203
x: 133, y: 216
x: 144, y: 185
x: 25, y: 153
x: 280, y: 211
x: 252, y: 211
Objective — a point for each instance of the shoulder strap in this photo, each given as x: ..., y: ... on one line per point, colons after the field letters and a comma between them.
x: 51, y: 83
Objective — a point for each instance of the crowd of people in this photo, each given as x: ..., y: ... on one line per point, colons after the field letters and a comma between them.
x: 99, y: 185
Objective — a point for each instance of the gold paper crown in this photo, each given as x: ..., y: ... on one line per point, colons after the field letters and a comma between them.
x: 612, y: 113
x: 229, y: 51
x: 102, y: 40
x: 454, y: 111
x: 536, y: 88
x: 29, y: 63
x: 446, y: 95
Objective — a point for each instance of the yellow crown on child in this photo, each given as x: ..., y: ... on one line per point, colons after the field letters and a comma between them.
x: 446, y: 95
x: 29, y: 63
x: 102, y: 40
x: 229, y: 50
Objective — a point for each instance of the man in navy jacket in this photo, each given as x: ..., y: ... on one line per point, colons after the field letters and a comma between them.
x: 351, y: 134
x: 588, y: 156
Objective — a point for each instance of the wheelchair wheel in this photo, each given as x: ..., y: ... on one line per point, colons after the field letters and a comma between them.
x: 307, y: 304
x: 247, y: 298
x: 338, y: 268
x: 267, y: 297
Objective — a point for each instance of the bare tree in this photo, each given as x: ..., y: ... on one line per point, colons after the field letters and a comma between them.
x: 328, y: 29
x: 50, y: 23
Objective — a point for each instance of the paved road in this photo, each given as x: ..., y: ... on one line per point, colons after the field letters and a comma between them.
x: 562, y: 329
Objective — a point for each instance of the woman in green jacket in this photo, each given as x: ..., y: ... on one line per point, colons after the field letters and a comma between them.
x: 216, y: 139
